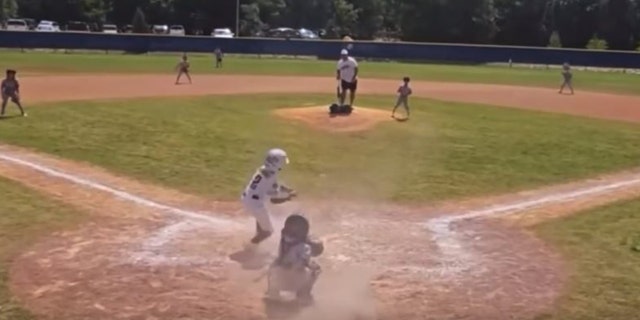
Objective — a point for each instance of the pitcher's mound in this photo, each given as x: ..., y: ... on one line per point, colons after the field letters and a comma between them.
x: 360, y: 119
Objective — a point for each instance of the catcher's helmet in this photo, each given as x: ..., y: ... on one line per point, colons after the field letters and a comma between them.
x: 297, y: 227
x: 276, y: 159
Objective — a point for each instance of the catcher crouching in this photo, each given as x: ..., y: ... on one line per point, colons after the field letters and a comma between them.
x: 294, y: 269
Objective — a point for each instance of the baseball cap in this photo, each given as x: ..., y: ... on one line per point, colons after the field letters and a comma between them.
x: 344, y: 52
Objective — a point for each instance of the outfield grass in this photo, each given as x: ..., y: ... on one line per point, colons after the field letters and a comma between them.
x: 119, y: 63
x: 603, y: 247
x: 24, y: 217
x: 210, y: 146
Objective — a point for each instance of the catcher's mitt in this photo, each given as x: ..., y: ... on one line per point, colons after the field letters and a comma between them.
x: 317, y: 247
x: 289, y: 197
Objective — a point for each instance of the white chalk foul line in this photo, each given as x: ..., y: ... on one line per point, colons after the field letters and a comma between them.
x: 451, y: 244
x: 118, y: 193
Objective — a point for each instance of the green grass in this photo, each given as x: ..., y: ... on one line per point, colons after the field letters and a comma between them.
x: 603, y: 247
x: 114, y: 63
x: 211, y: 145
x: 24, y: 217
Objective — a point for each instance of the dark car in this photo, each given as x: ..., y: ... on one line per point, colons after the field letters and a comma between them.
x: 78, y: 26
x: 31, y: 23
x: 287, y: 33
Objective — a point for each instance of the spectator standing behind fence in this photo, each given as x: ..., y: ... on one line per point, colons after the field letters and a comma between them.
x: 219, y: 55
x: 10, y: 88
x: 567, y: 78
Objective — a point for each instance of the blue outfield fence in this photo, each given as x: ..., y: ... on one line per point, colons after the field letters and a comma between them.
x: 321, y: 48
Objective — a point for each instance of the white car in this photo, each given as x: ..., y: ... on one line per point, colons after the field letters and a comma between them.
x: 48, y: 26
x: 222, y: 33
x: 110, y: 29
x: 17, y: 25
x: 176, y: 30
x: 160, y: 29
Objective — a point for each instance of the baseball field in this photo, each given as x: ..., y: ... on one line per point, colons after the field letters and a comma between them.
x: 499, y: 199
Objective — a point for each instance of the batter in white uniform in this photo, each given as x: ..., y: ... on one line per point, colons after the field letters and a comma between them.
x: 262, y: 187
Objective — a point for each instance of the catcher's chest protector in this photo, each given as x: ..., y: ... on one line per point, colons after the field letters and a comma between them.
x: 293, y: 253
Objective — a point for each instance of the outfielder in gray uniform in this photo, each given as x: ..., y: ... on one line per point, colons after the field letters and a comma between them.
x: 404, y: 91
x: 567, y: 78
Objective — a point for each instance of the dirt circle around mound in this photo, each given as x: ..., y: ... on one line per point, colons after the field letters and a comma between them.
x: 318, y: 117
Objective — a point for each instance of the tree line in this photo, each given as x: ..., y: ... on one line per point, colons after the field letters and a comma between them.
x: 610, y: 24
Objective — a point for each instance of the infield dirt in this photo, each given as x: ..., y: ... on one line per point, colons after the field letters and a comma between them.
x: 154, y: 253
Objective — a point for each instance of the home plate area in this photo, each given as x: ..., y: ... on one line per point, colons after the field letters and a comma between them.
x: 375, y: 266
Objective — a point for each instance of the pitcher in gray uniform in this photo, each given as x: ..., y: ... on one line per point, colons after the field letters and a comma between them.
x: 11, y: 90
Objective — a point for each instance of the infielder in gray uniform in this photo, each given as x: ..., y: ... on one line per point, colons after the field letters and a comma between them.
x: 567, y: 78
x: 10, y: 88
x: 404, y: 91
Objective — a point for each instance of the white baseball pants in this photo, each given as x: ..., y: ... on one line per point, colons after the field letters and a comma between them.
x: 260, y: 212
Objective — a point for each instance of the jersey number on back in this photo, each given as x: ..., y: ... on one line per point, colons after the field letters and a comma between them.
x: 256, y: 180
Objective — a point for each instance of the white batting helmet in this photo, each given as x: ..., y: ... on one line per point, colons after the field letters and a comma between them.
x: 276, y: 159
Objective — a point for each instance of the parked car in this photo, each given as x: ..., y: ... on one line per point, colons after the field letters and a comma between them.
x: 31, y: 23
x: 307, y: 34
x: 48, y: 26
x: 222, y: 33
x: 78, y: 26
x: 17, y: 25
x: 160, y: 29
x: 127, y: 29
x: 176, y: 30
x: 110, y: 29
x: 287, y: 33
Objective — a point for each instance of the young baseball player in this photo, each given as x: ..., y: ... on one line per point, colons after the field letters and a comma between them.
x: 404, y: 91
x: 264, y: 186
x: 219, y: 55
x: 567, y: 76
x: 294, y: 270
x: 183, y: 68
x: 10, y: 88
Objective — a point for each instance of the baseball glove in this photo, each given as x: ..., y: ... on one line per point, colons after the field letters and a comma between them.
x: 284, y: 197
x: 317, y: 247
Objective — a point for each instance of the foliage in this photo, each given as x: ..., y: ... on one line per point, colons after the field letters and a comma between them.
x: 597, y: 44
x: 8, y: 9
x: 554, y: 40
x: 139, y: 22
x: 511, y: 22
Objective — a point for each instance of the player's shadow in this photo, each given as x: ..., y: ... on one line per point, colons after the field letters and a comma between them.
x: 252, y: 259
x: 10, y: 117
x: 400, y: 119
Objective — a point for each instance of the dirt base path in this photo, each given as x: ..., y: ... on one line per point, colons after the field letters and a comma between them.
x: 92, y: 87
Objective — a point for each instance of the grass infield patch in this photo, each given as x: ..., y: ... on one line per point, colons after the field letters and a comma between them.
x: 211, y: 145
